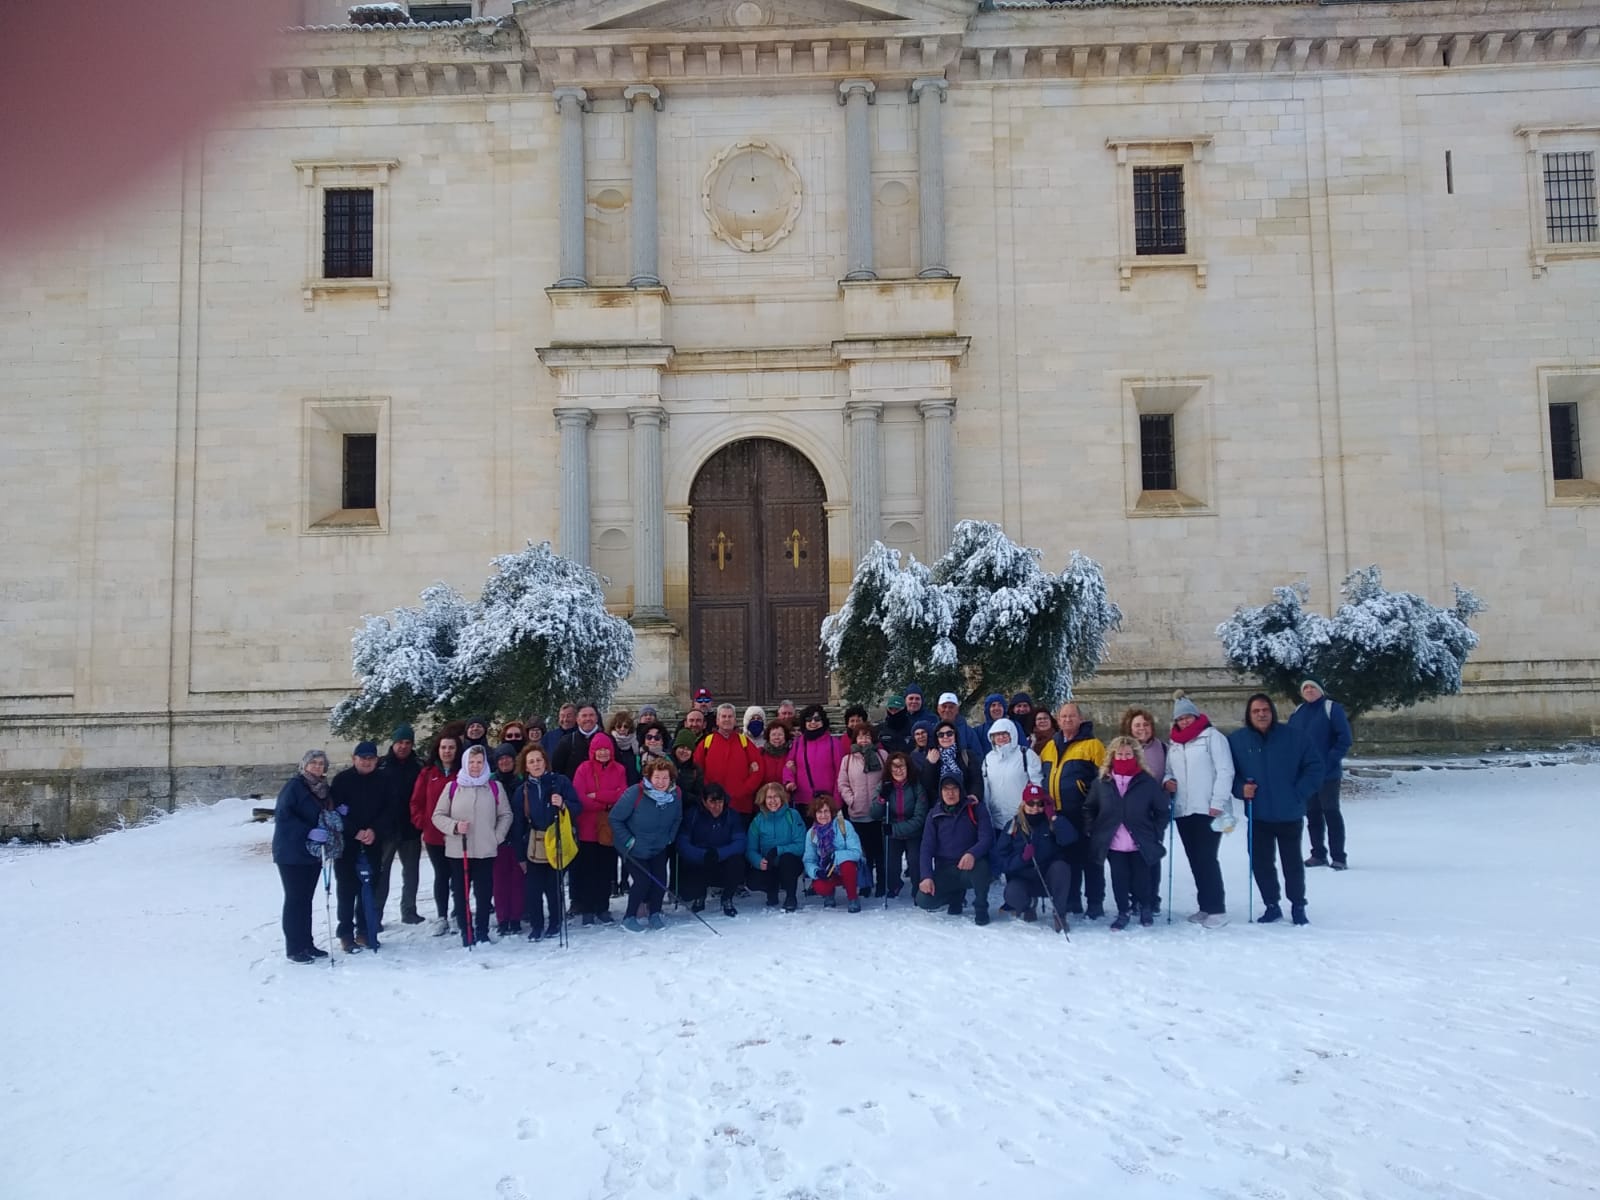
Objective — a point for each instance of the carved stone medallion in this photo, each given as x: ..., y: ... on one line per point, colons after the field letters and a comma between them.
x: 751, y: 195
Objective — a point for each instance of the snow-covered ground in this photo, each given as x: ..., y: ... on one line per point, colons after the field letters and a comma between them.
x: 1434, y: 1033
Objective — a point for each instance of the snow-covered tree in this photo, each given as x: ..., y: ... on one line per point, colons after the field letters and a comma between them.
x: 985, y: 617
x: 1382, y: 649
x: 539, y: 635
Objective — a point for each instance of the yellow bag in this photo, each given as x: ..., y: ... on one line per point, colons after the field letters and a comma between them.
x: 560, y: 844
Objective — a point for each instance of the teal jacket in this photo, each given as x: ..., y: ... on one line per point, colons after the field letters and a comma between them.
x: 846, y: 848
x: 650, y: 827
x: 773, y: 834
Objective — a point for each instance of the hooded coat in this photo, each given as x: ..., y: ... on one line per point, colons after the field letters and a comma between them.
x: 531, y: 810
x: 1286, y: 768
x: 1049, y: 837
x: 1327, y: 727
x: 485, y: 808
x: 599, y: 788
x: 1006, y: 771
x: 701, y: 831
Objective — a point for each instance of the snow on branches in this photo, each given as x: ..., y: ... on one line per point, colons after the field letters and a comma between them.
x: 985, y: 617
x: 538, y: 636
x: 1381, y: 649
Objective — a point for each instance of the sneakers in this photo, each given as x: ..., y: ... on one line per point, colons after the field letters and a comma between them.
x: 1297, y: 913
x: 853, y: 906
x: 631, y: 924
x: 1197, y: 918
x: 412, y: 919
x: 1317, y: 860
x: 1147, y: 918
x: 1270, y: 914
x: 657, y: 921
x: 536, y: 933
x: 316, y: 952
x: 302, y: 956
x: 728, y: 910
x: 1121, y: 922
x: 1029, y: 915
x: 349, y: 946
x: 441, y: 927
x: 1215, y: 920
x: 553, y: 929
x: 588, y: 918
x: 1339, y: 864
x: 830, y: 901
x: 981, y: 917
x: 790, y: 904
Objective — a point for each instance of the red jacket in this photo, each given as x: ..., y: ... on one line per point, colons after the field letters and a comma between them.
x: 735, y: 763
x: 424, y: 796
x: 776, y: 768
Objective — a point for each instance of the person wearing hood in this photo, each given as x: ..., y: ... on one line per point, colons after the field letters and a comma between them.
x: 573, y: 750
x: 754, y: 722
x: 477, y: 734
x: 1199, y: 777
x: 1008, y: 768
x: 1020, y: 710
x: 857, y: 793
x: 509, y: 883
x: 1327, y: 727
x: 895, y: 728
x: 818, y: 754
x: 732, y: 759
x: 645, y: 823
x: 425, y: 795
x: 966, y: 735
x: 956, y: 842
x: 474, y: 815
x: 599, y: 783
x: 775, y: 846
x: 1276, y: 770
x: 905, y: 812
x: 1127, y: 817
x: 711, y: 845
x: 994, y: 707
x: 944, y: 754
x: 537, y: 804
x: 1031, y: 850
x: 296, y: 827
x: 1072, y: 763
x: 358, y: 792
x: 399, y: 770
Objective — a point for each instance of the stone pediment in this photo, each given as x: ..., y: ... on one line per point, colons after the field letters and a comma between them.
x: 543, y: 18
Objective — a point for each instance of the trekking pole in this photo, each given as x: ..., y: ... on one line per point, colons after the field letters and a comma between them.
x: 664, y: 890
x: 466, y: 895
x: 883, y: 875
x: 327, y: 901
x: 1040, y: 873
x: 1250, y: 857
x: 561, y: 930
x: 1171, y: 837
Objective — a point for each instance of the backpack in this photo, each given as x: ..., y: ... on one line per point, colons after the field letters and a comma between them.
x: 494, y: 790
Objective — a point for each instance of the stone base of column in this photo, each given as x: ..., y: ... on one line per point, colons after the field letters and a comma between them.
x: 655, y: 646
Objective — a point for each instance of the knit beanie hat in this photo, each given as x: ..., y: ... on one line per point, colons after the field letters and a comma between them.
x: 686, y: 737
x: 1184, y: 707
x: 403, y: 733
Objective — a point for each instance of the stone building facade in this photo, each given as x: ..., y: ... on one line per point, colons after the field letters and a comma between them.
x: 713, y: 293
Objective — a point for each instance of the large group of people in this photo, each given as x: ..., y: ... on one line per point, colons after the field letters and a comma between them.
x: 551, y: 821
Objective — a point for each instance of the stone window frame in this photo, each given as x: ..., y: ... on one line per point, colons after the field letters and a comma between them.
x: 1175, y: 150
x: 1553, y: 139
x: 316, y: 178
x: 1188, y: 398
x: 1567, y: 493
x: 324, y: 424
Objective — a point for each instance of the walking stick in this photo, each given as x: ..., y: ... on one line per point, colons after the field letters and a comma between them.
x: 665, y: 889
x: 1037, y: 870
x: 561, y: 932
x: 1171, y: 838
x: 327, y: 901
x: 466, y: 895
x: 1250, y: 857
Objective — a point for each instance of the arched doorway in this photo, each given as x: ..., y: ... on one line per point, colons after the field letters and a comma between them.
x: 758, y: 575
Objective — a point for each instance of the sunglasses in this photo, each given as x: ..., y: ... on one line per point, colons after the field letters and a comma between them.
x: 946, y: 733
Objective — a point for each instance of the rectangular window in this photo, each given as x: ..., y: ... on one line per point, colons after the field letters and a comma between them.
x: 1566, y: 453
x: 347, y: 233
x: 360, y: 471
x: 1570, y: 210
x: 1158, y: 452
x: 441, y: 12
x: 1158, y: 210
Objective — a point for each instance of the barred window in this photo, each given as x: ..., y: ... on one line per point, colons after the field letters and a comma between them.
x: 1158, y: 452
x: 1566, y: 453
x: 347, y: 233
x: 360, y: 471
x: 1158, y: 210
x: 1570, y: 211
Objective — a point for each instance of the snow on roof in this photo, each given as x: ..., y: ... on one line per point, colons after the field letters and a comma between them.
x: 471, y: 22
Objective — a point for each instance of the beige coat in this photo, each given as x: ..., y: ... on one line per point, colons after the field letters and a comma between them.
x: 486, y: 810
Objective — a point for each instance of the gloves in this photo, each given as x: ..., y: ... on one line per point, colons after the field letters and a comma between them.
x: 1027, y: 852
x: 343, y: 810
x: 711, y: 857
x: 318, y: 835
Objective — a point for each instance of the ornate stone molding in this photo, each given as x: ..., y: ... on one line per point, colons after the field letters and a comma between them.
x: 769, y: 200
x: 416, y: 80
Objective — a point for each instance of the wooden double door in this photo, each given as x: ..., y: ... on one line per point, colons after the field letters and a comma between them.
x: 758, y: 575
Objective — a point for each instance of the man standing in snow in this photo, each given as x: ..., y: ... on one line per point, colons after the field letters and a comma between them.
x: 1276, y: 770
x: 1072, y: 761
x: 966, y: 736
x: 399, y: 770
x: 728, y: 757
x: 574, y: 748
x: 359, y: 792
x: 566, y: 722
x: 1326, y: 726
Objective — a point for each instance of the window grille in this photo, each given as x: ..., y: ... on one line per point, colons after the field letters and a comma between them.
x: 1158, y: 210
x: 347, y: 233
x: 1570, y: 211
x: 360, y: 471
x: 1566, y: 454
x: 1158, y: 452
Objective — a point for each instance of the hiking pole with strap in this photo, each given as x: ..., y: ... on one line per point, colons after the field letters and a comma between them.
x: 466, y: 895
x: 327, y: 902
x: 1172, y: 823
x: 1250, y: 857
x: 561, y: 908
x: 665, y: 889
x: 1056, y: 915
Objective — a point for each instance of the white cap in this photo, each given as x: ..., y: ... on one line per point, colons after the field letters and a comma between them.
x: 949, y: 698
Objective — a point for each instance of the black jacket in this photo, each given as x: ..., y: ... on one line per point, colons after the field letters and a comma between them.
x: 571, y: 752
x: 1144, y: 810
x: 399, y: 781
x: 366, y: 796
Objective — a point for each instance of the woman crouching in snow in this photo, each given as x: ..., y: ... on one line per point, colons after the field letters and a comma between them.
x: 833, y: 853
x: 474, y: 816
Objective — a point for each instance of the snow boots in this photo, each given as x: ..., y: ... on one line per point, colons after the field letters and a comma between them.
x: 854, y: 906
x: 632, y: 925
x: 1317, y: 860
x: 657, y: 921
x: 1270, y: 914
x: 1297, y: 913
x: 981, y: 917
x: 1121, y: 923
x: 1147, y: 918
x: 728, y: 910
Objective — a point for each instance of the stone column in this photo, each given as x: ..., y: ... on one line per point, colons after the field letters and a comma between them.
x: 649, y: 595
x: 866, y: 521
x: 929, y: 93
x: 646, y: 102
x: 938, y: 485
x: 572, y: 103
x: 855, y: 95
x: 575, y: 423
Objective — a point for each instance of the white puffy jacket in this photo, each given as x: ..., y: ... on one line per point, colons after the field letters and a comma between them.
x: 1204, y: 771
x: 1006, y: 771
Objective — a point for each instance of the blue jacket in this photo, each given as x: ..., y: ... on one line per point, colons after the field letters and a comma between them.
x: 983, y: 726
x: 531, y: 808
x: 774, y: 834
x: 1050, y: 839
x: 1328, y: 729
x: 846, y: 848
x: 952, y: 832
x: 650, y: 826
x: 1286, y: 768
x: 701, y: 831
x: 295, y: 815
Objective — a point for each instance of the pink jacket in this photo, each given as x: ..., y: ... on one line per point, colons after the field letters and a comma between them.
x: 858, y: 787
x: 814, y: 767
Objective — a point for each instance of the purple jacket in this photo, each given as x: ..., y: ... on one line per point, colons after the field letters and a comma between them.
x: 950, y: 833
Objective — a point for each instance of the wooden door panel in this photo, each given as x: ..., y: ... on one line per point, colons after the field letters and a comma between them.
x: 795, y: 557
x: 796, y: 657
x: 725, y: 560
x: 721, y: 636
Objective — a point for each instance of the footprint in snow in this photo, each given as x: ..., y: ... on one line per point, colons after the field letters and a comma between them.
x: 529, y: 1128
x: 510, y: 1188
x: 1017, y: 1153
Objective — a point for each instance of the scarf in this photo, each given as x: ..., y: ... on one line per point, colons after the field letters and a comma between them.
x: 870, y: 761
x: 1128, y: 767
x: 626, y: 741
x: 812, y: 735
x: 662, y: 799
x: 466, y: 780
x: 1196, y: 727
x: 898, y: 791
x: 825, y: 845
x: 949, y: 764
x: 319, y: 787
x: 775, y: 751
